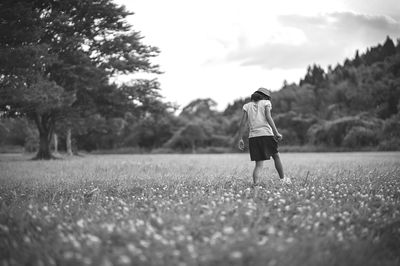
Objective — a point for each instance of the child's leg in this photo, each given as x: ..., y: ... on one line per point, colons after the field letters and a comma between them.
x: 278, y: 165
x: 257, y: 171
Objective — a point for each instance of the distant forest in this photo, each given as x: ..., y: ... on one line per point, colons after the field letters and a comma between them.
x: 351, y: 106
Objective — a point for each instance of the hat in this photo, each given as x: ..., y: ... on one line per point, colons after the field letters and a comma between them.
x: 265, y: 91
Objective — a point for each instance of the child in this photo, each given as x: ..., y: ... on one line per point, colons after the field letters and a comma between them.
x: 263, y: 135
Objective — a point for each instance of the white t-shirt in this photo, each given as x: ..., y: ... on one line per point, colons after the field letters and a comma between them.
x: 258, y: 123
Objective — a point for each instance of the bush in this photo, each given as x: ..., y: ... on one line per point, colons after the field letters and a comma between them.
x: 389, y: 145
x: 360, y: 137
x: 220, y: 141
x: 31, y: 142
x: 290, y: 137
x: 294, y: 127
x: 333, y: 133
x: 163, y: 150
x: 390, y: 134
x: 11, y: 149
x: 391, y: 128
x: 215, y: 150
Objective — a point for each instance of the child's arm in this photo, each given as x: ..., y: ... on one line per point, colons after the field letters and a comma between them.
x: 272, y: 123
x: 243, y: 121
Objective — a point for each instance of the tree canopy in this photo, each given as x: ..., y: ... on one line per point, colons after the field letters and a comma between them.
x: 58, y: 58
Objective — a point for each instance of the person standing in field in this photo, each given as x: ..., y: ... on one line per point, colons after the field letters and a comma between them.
x: 263, y: 134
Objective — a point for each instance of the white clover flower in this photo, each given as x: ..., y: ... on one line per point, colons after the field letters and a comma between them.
x: 80, y: 223
x: 133, y: 249
x: 124, y: 259
x: 144, y: 243
x: 236, y: 255
x: 271, y: 230
x: 93, y: 239
x: 228, y: 230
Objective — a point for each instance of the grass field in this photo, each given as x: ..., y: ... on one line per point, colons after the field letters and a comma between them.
x: 343, y: 209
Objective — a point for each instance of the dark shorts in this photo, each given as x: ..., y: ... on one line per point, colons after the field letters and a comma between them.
x: 261, y: 148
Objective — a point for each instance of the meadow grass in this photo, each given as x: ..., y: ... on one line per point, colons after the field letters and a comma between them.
x: 342, y: 209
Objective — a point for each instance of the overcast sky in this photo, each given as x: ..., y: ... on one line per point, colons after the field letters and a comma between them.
x: 226, y: 49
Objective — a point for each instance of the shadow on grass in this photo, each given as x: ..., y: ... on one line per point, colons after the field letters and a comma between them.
x: 21, y: 157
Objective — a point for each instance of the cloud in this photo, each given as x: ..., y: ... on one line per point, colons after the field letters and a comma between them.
x: 343, y: 24
x: 328, y: 39
x: 378, y: 7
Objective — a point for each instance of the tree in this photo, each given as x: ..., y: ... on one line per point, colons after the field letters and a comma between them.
x: 388, y: 48
x: 357, y: 60
x: 189, y: 136
x: 315, y: 76
x: 199, y: 108
x: 151, y: 132
x: 58, y: 57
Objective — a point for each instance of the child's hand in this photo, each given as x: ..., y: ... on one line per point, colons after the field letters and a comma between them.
x: 241, y: 145
x: 278, y: 137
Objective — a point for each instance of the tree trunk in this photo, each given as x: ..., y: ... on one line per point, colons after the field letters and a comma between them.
x: 55, y: 142
x: 44, y: 152
x: 45, y: 124
x: 193, y: 147
x: 69, y: 143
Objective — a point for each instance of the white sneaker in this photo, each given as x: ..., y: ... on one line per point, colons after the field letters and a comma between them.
x: 286, y: 181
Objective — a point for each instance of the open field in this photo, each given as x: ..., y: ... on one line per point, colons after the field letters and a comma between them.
x: 343, y: 209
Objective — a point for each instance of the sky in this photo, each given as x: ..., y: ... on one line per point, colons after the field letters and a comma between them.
x: 227, y: 49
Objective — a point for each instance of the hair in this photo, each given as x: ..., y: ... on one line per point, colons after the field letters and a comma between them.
x: 257, y: 96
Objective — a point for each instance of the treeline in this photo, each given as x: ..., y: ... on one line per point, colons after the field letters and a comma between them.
x: 352, y: 106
